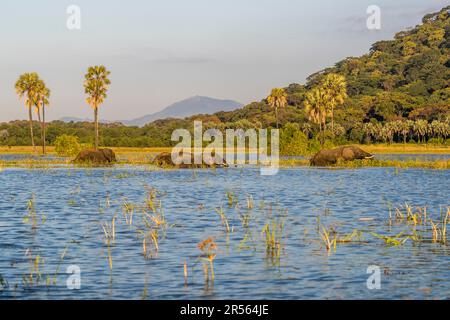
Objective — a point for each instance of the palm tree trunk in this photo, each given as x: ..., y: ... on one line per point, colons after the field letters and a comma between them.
x: 43, y: 130
x: 38, y: 112
x: 320, y: 133
x: 96, y: 127
x: 30, y: 116
x: 276, y: 115
x: 332, y: 122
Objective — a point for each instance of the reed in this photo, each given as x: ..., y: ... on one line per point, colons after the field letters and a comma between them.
x: 328, y: 237
x: 273, y: 235
x: 32, y: 217
x: 230, y: 197
x: 208, y: 249
x: 224, y: 219
x: 392, y: 241
x: 250, y: 204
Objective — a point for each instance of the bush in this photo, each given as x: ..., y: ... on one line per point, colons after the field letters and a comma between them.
x: 67, y: 146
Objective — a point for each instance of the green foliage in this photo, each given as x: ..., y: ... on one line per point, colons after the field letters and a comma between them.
x: 67, y: 146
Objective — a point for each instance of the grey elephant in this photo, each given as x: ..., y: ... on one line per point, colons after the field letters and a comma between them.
x: 165, y: 160
x: 100, y: 156
x: 330, y: 157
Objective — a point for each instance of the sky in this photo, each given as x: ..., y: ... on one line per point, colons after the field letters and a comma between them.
x: 160, y: 52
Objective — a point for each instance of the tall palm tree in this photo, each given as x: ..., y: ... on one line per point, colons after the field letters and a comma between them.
x: 40, y: 100
x: 96, y: 86
x: 315, y: 105
x: 335, y: 87
x: 420, y: 128
x: 277, y: 99
x: 26, y: 88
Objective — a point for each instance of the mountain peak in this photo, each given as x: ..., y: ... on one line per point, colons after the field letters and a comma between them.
x: 188, y: 107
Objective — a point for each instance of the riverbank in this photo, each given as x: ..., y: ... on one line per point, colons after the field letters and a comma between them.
x: 398, y: 148
x: 24, y: 157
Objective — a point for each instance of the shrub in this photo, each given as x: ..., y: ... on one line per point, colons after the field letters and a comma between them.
x: 67, y: 146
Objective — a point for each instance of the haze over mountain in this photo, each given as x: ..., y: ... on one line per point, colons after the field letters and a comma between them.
x: 182, y: 109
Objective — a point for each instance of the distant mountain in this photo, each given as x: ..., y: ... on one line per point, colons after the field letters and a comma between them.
x: 182, y: 109
x: 186, y: 108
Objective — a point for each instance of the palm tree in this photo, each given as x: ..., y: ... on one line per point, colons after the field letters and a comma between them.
x: 335, y: 87
x: 96, y: 87
x: 420, y: 129
x: 404, y: 128
x: 315, y: 105
x: 277, y: 99
x: 40, y: 100
x: 26, y: 87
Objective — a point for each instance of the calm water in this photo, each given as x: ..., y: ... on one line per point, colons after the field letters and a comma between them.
x: 76, y: 201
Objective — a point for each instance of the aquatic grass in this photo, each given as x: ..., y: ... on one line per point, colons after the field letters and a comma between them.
x: 250, y: 204
x: 109, y: 230
x: 424, y: 227
x: 32, y: 216
x: 185, y: 273
x: 208, y: 249
x: 150, y: 244
x: 58, y: 266
x: 224, y: 219
x: 393, y: 241
x: 34, y: 275
x: 328, y: 237
x: 230, y: 197
x: 128, y: 211
x: 273, y: 235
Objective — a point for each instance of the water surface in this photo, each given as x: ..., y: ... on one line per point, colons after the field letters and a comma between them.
x: 75, y: 202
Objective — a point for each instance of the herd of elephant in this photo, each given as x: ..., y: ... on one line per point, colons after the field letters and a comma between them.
x: 321, y: 159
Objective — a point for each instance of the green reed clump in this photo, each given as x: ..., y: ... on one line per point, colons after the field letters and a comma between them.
x: 393, y: 241
x: 273, y: 235
x: 424, y: 227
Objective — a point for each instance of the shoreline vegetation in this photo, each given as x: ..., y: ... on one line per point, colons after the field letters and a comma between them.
x: 144, y: 156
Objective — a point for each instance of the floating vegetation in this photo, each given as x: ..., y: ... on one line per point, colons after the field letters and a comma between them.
x: 392, y: 241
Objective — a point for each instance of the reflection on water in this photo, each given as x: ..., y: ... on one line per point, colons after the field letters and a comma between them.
x: 76, y: 201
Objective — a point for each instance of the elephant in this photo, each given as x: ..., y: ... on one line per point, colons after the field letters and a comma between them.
x: 165, y: 160
x: 100, y: 156
x: 330, y: 157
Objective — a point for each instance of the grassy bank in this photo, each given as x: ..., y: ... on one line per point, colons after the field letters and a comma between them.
x: 143, y: 156
x: 398, y: 148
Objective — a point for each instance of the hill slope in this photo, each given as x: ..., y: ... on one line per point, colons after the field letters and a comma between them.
x: 404, y: 78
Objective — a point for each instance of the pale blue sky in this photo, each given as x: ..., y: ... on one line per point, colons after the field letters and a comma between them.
x: 163, y: 51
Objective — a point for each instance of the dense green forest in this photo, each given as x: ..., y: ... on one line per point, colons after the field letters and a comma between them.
x: 398, y: 92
